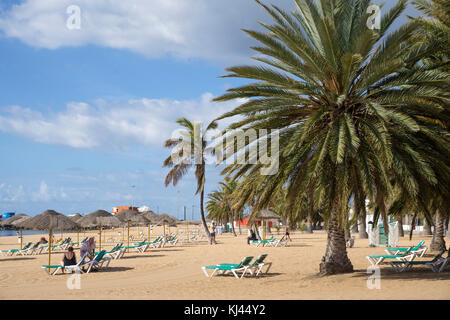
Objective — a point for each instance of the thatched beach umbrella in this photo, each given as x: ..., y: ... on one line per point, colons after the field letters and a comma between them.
x: 75, y: 217
x: 11, y: 221
x: 49, y: 220
x: 131, y: 217
x: 99, y: 219
x: 110, y: 222
x: 166, y: 219
x: 266, y: 215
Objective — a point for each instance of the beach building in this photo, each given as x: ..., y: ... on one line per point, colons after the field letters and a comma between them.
x: 116, y: 210
x: 6, y: 215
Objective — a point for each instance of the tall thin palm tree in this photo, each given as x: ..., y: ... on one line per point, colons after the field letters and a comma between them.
x: 190, y: 149
x: 352, y: 107
x: 220, y: 204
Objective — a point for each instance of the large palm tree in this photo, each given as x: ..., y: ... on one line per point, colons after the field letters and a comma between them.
x: 436, y: 29
x: 190, y: 149
x: 352, y: 108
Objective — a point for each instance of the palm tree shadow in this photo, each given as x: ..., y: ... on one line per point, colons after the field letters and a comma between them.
x: 417, y: 273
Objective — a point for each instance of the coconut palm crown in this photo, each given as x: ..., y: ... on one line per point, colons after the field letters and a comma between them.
x: 190, y: 149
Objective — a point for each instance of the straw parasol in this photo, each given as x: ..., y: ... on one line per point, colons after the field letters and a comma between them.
x: 166, y: 218
x: 11, y: 221
x: 49, y: 220
x: 90, y: 220
x: 75, y: 217
x: 266, y: 215
x: 131, y: 217
x: 99, y: 219
x: 108, y: 221
x: 152, y: 218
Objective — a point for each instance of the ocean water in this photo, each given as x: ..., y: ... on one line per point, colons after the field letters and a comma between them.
x: 7, y: 233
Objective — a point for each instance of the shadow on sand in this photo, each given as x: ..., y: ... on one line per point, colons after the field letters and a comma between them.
x: 143, y: 256
x: 417, y: 273
x: 17, y: 259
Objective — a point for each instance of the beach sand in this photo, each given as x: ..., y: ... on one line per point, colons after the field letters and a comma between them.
x: 174, y: 272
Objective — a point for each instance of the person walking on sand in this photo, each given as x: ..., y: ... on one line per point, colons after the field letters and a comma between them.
x: 213, y: 234
x: 286, y: 234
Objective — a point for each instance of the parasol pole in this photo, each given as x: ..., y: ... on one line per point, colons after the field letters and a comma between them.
x: 21, y: 239
x: 164, y: 230
x: 78, y: 236
x: 128, y: 237
x: 264, y: 231
x: 100, y: 239
x: 148, y: 240
x: 50, y: 236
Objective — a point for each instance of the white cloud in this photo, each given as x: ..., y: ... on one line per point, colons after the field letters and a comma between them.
x: 206, y: 29
x: 117, y: 124
x: 10, y: 193
x: 43, y: 193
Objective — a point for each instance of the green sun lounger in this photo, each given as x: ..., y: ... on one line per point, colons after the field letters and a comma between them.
x: 97, y: 262
x: 418, y: 249
x: 81, y: 242
x: 140, y: 247
x: 115, y: 252
x: 56, y: 268
x: 376, y: 259
x: 11, y: 252
x: 435, y: 264
x: 224, y: 268
x: 267, y: 241
x: 256, y: 267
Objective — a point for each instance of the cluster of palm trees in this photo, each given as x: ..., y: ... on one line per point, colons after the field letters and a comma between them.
x: 362, y: 114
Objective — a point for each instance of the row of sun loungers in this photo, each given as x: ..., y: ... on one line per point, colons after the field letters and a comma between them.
x: 282, y: 242
x: 244, y: 266
x: 403, y: 259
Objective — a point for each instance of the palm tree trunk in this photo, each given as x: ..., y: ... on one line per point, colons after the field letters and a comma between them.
x: 438, y: 242
x: 239, y: 221
x: 202, y: 214
x: 309, y: 223
x: 426, y: 228
x: 232, y: 227
x: 401, y: 232
x: 335, y: 259
x: 362, y: 227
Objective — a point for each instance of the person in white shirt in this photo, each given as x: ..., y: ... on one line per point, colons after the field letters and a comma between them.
x: 88, y: 247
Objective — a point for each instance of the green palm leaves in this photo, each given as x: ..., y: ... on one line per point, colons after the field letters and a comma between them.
x: 355, y: 108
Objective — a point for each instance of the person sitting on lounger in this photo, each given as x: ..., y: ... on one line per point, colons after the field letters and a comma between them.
x: 88, y: 247
x: 69, y: 258
x: 251, y: 236
x: 43, y: 241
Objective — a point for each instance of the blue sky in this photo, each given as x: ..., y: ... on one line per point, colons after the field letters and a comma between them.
x: 84, y: 113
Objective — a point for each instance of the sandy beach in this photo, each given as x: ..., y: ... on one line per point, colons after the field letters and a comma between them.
x: 174, y: 272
